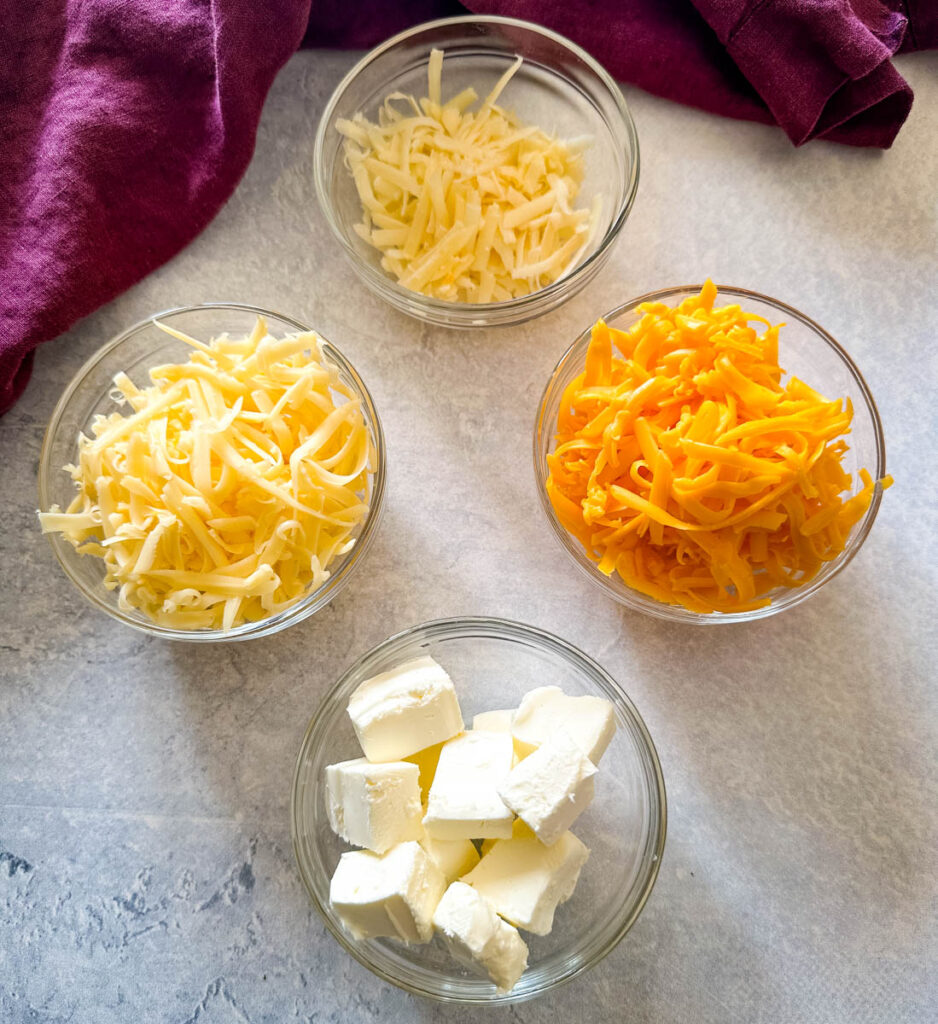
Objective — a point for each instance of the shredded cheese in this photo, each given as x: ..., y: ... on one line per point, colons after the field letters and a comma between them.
x: 226, y: 490
x: 467, y: 206
x: 684, y: 465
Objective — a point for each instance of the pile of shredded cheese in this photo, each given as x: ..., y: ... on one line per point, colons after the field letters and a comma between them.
x: 684, y: 465
x: 467, y: 206
x: 230, y: 485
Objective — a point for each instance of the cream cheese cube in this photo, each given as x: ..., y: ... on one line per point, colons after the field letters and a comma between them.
x: 464, y: 801
x: 525, y: 880
x: 590, y: 720
x: 493, y: 721
x: 550, y: 788
x: 392, y: 894
x: 374, y: 805
x: 399, y: 712
x: 479, y: 938
x: 454, y: 857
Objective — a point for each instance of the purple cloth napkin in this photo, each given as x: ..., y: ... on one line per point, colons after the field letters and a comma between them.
x: 126, y: 124
x: 818, y: 68
x: 124, y: 127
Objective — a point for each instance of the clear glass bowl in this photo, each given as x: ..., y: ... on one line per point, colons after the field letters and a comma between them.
x: 806, y: 351
x: 135, y: 351
x: 559, y: 88
x: 493, y: 663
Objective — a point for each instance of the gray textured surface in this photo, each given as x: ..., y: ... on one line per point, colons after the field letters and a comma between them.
x: 145, y: 863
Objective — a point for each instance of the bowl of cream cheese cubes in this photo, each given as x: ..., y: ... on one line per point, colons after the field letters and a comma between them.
x: 478, y: 811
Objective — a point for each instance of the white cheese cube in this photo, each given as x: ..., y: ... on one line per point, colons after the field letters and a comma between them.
x: 493, y: 721
x: 464, y: 801
x: 454, y: 857
x: 374, y: 805
x: 525, y: 880
x: 479, y: 938
x: 591, y: 721
x: 392, y: 894
x: 404, y: 710
x: 550, y: 788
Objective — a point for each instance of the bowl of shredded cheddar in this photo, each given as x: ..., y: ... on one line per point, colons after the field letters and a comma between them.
x: 213, y: 473
x: 709, y: 454
x: 476, y: 171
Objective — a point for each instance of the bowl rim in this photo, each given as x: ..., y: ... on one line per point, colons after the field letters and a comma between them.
x: 491, y: 627
x: 675, y: 613
x: 383, y: 284
x: 297, y: 612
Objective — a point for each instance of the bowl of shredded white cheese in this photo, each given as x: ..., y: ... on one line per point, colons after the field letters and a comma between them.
x: 476, y: 171
x: 212, y: 473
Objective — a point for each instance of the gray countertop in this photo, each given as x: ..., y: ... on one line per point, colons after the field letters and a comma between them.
x: 146, y: 870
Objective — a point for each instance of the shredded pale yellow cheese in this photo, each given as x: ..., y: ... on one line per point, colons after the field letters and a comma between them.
x: 467, y: 206
x: 228, y: 488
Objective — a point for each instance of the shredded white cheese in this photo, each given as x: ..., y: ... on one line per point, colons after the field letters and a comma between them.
x: 467, y: 206
x: 225, y: 492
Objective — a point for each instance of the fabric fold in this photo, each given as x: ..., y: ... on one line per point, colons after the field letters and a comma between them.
x: 130, y: 128
x: 814, y: 67
x: 799, y: 54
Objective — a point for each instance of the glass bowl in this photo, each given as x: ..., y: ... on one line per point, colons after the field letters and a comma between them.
x: 493, y: 663
x: 135, y: 351
x: 806, y: 351
x: 559, y: 88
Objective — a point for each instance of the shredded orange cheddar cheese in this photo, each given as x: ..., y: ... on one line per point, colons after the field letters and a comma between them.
x: 683, y: 463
